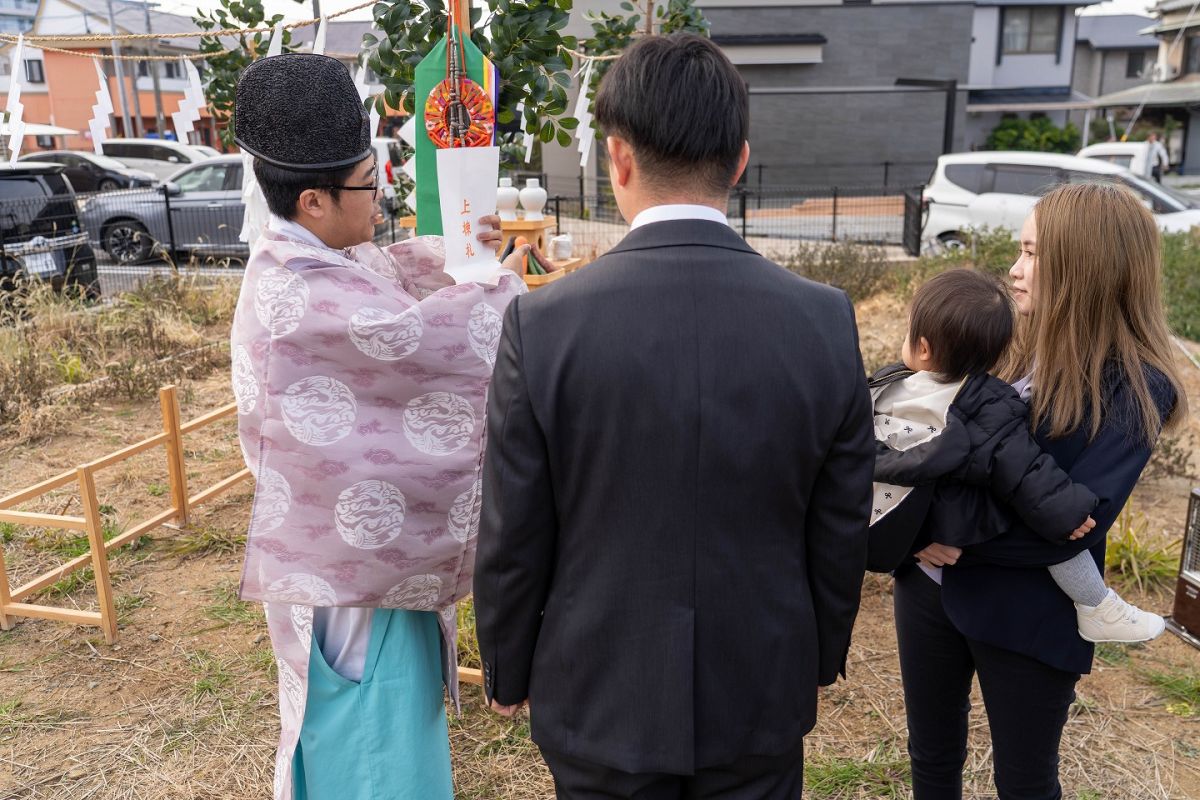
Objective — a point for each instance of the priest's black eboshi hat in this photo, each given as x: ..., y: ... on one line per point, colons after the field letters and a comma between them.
x: 301, y: 112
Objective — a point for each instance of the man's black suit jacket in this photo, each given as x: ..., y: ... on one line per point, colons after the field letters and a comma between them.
x: 676, y: 492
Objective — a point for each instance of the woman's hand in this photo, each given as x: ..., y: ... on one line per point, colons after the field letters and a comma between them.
x: 939, y: 555
x: 1084, y: 529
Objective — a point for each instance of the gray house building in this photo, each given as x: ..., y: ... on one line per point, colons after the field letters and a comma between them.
x: 1112, y: 53
x: 1173, y: 93
x: 858, y: 93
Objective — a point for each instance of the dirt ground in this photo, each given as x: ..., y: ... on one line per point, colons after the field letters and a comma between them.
x: 183, y: 706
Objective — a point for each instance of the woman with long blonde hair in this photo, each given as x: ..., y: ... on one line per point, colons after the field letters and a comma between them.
x: 1093, y: 357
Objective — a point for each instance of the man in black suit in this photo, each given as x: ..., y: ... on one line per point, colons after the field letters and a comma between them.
x: 678, y: 474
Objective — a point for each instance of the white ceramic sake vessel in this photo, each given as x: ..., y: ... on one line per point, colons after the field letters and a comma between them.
x: 507, y: 197
x: 533, y: 200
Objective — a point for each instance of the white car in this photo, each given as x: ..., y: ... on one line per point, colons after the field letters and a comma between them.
x: 1133, y: 156
x: 970, y: 191
x: 160, y: 157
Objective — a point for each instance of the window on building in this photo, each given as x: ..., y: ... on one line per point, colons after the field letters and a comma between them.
x: 167, y: 70
x: 1031, y: 29
x: 1191, y: 56
x: 1135, y: 64
x: 34, y: 70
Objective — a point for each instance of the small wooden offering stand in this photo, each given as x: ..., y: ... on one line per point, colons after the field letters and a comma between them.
x: 533, y: 230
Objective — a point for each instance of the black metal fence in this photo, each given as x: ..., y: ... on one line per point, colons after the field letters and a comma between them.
x: 771, y: 220
x: 108, y: 242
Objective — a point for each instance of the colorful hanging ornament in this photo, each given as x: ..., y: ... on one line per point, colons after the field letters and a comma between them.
x: 456, y: 88
x: 12, y: 107
x: 101, y: 111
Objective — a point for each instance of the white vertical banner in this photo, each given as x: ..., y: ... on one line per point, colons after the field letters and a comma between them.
x: 467, y: 184
x: 190, y: 106
x: 319, y: 39
x: 101, y: 111
x: 276, y: 47
x: 13, y: 108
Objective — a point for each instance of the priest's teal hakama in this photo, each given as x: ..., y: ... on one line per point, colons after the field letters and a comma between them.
x: 383, y: 736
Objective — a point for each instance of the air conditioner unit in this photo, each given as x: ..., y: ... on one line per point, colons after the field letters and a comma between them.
x: 1164, y: 72
x: 1185, y: 619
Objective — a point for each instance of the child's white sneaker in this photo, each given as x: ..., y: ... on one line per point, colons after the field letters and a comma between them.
x: 1114, y: 620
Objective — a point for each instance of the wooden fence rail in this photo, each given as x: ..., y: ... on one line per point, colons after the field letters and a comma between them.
x: 13, y: 601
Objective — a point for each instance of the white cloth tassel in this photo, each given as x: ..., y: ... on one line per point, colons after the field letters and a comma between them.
x: 14, y: 109
x: 101, y: 111
x: 189, y: 107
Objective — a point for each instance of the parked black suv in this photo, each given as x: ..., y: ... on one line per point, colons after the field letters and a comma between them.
x: 40, y: 233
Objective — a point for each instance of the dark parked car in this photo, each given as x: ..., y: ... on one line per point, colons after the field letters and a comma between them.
x: 89, y: 172
x: 204, y: 220
x: 40, y: 232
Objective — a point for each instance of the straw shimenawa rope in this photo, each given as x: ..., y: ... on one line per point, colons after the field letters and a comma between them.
x: 81, y: 38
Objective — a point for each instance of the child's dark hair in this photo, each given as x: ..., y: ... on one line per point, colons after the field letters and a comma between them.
x: 967, y: 319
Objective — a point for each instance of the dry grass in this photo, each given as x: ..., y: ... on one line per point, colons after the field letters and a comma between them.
x: 59, y: 354
x: 184, y: 705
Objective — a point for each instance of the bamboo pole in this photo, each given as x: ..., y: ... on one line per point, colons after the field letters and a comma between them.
x: 91, y: 508
x: 168, y: 398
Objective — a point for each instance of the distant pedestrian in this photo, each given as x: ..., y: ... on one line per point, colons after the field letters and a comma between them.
x: 1160, y: 161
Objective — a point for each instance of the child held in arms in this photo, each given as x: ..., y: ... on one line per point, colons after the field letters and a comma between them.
x: 957, y: 463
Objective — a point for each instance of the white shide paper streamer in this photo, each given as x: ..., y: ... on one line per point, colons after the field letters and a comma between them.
x: 13, y: 107
x: 101, y: 111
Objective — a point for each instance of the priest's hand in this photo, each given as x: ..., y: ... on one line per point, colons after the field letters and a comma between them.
x: 506, y: 711
x: 490, y: 238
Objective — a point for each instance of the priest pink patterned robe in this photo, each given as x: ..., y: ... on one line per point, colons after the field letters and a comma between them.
x: 361, y: 381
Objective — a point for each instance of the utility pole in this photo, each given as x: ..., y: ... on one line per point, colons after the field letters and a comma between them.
x: 159, y: 120
x: 317, y: 9
x: 120, y: 70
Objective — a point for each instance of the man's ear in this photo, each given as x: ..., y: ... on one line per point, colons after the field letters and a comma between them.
x: 743, y: 160
x: 312, y: 203
x: 620, y: 157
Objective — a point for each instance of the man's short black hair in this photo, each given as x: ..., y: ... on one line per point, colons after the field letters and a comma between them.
x: 682, y: 107
x: 283, y: 187
x: 967, y: 319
